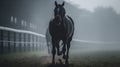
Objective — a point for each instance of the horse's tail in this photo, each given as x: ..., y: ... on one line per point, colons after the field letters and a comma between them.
x: 48, y: 40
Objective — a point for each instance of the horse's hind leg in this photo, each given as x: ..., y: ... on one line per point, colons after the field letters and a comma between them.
x: 58, y: 50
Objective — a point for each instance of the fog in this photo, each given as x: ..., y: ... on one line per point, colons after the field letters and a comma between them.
x: 101, y: 25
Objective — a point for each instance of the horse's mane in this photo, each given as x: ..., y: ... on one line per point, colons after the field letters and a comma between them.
x: 70, y: 19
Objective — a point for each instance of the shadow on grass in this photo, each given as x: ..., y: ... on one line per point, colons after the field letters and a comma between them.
x: 60, y: 65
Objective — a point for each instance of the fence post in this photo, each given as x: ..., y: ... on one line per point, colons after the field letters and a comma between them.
x: 4, y: 43
x: 9, y: 45
x: 20, y: 39
x: 40, y: 43
x: 14, y: 36
x: 1, y: 41
x: 17, y: 41
x: 28, y: 42
x: 33, y: 42
x: 24, y: 36
x: 37, y: 43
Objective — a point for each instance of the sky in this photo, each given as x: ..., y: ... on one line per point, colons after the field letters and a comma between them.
x: 92, y: 4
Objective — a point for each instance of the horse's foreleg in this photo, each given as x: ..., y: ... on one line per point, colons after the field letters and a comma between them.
x: 53, y: 52
x: 67, y: 55
x: 64, y: 50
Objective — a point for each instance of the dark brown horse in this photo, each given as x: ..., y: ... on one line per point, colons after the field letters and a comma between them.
x: 61, y: 28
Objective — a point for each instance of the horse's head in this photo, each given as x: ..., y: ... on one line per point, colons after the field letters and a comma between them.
x: 59, y: 11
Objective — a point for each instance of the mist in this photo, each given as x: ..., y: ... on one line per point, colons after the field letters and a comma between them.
x: 23, y: 24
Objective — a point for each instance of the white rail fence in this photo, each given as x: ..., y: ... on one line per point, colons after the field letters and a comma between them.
x: 14, y: 40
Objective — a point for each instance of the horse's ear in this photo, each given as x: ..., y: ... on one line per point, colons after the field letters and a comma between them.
x: 55, y: 3
x: 63, y: 3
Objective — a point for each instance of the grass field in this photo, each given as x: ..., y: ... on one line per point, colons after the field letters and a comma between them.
x: 42, y: 59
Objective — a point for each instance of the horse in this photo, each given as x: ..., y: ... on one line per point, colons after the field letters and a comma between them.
x: 61, y: 28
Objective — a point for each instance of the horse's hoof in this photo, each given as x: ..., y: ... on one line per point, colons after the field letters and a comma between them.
x: 64, y: 56
x: 60, y: 61
x: 60, y: 53
x: 53, y: 62
x: 66, y: 62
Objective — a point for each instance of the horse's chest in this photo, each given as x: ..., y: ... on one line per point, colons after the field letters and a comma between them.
x: 59, y: 29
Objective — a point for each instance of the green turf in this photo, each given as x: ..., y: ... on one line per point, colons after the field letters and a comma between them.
x: 23, y: 54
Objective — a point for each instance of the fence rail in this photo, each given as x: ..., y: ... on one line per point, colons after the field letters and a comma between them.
x: 14, y: 40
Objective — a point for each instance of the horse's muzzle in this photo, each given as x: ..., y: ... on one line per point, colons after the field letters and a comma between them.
x: 58, y: 18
